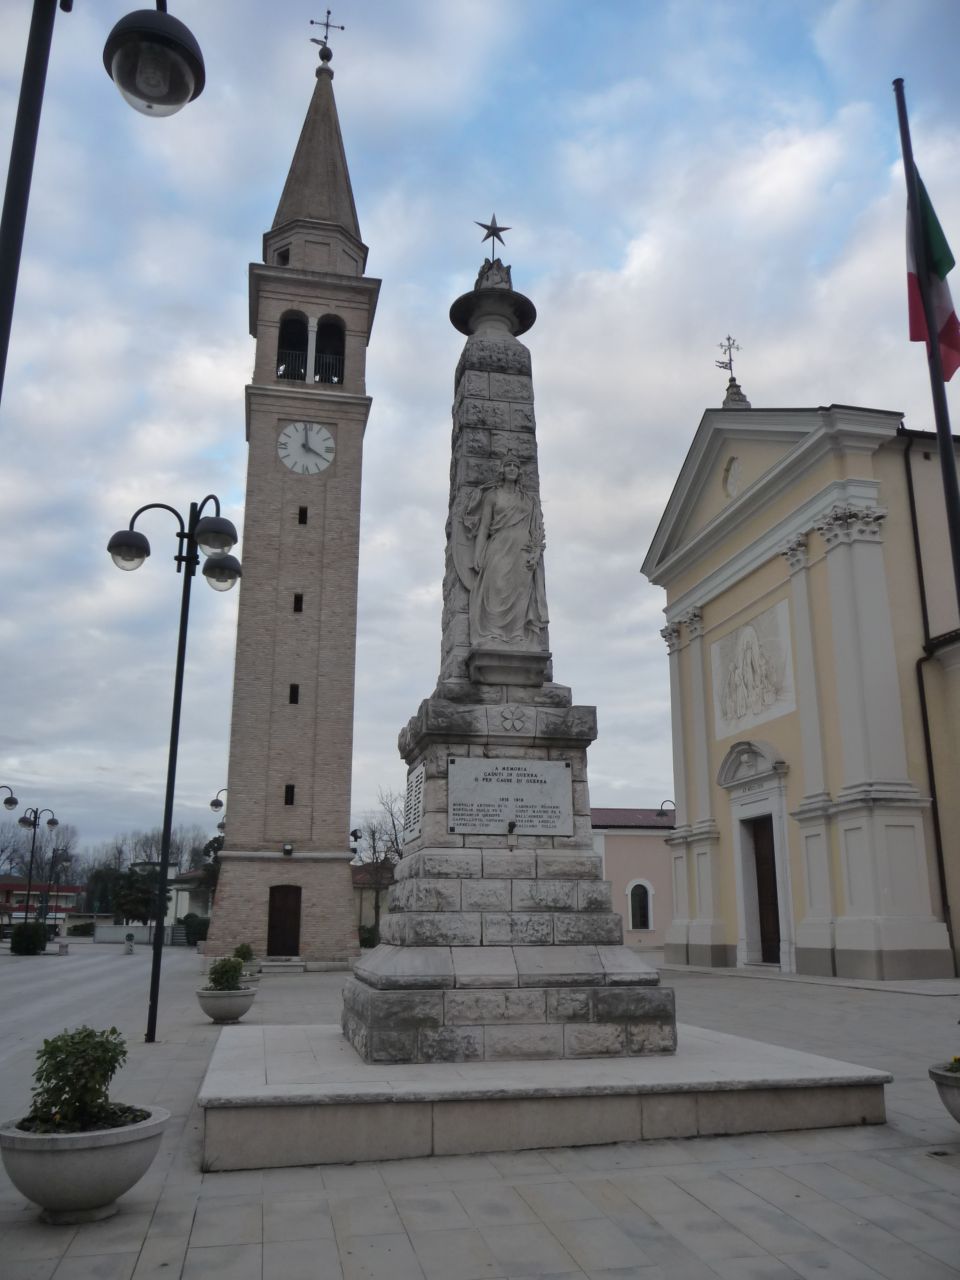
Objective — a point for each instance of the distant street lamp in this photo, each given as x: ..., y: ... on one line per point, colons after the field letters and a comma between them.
x: 155, y: 62
x: 216, y: 804
x: 10, y: 801
x: 31, y: 820
x: 215, y: 536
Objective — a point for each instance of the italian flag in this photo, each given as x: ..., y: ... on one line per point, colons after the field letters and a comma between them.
x: 939, y: 263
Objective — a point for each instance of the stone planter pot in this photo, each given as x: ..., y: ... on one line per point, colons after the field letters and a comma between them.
x: 226, y: 1006
x: 948, y: 1087
x: 77, y: 1177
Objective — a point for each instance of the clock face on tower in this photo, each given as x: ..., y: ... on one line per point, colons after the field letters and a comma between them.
x: 307, y: 448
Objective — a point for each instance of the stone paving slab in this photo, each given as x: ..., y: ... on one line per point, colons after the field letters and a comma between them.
x: 323, y: 1223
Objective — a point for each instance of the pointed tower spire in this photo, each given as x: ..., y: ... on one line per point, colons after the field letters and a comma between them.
x: 318, y: 185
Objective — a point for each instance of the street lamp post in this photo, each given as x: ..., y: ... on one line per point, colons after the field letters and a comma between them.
x: 215, y: 536
x: 31, y: 819
x: 155, y: 62
x: 10, y: 801
x: 216, y: 804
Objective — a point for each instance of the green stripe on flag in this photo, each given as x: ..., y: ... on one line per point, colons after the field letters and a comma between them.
x: 939, y: 258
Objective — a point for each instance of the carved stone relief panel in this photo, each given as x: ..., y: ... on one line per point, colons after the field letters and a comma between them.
x: 752, y: 671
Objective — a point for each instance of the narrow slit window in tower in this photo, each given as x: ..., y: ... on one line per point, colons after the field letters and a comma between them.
x: 298, y: 602
x: 294, y: 693
x: 302, y: 516
x: 288, y: 791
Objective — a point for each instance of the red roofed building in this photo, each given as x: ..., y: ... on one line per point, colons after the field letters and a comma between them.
x: 636, y: 861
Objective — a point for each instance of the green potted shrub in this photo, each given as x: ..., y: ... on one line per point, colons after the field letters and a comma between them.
x: 946, y: 1076
x: 224, y: 999
x: 76, y: 1151
x: 251, y: 970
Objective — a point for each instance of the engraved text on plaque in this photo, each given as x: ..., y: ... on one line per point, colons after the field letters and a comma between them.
x: 486, y: 796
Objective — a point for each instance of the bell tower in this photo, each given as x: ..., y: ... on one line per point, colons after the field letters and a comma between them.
x: 285, y: 884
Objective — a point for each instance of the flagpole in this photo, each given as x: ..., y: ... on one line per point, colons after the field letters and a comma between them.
x: 948, y: 460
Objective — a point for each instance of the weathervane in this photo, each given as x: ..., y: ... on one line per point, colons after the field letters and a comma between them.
x: 728, y: 347
x: 493, y: 232
x: 326, y: 24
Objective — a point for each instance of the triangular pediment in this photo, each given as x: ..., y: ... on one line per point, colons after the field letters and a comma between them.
x: 741, y: 459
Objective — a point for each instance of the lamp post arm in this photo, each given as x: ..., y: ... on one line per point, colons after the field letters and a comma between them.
x: 191, y: 557
x: 211, y: 497
x: 158, y: 506
x: 20, y: 173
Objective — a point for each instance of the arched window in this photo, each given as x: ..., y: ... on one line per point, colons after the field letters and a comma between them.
x: 292, y: 347
x: 328, y: 365
x: 640, y: 897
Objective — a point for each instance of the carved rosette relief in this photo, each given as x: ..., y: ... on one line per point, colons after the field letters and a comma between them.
x: 514, y: 719
x: 847, y: 523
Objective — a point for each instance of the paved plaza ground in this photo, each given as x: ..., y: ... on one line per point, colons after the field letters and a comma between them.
x: 842, y: 1204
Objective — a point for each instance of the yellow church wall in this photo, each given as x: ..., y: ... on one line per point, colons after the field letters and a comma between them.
x: 833, y: 467
x: 755, y: 458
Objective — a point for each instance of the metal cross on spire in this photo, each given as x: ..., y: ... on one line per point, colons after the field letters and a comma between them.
x: 327, y: 27
x: 728, y: 346
x: 493, y: 232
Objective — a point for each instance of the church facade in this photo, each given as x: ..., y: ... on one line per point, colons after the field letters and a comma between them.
x: 814, y: 659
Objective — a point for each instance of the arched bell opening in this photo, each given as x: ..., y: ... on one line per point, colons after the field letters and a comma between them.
x: 328, y: 362
x: 292, y: 347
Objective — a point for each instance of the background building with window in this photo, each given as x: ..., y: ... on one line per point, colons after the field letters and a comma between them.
x: 636, y: 861
x: 814, y: 650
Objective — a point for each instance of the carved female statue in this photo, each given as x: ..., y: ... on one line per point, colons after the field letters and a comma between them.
x: 508, y: 603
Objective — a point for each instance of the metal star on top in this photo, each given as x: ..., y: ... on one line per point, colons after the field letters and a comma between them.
x: 493, y: 231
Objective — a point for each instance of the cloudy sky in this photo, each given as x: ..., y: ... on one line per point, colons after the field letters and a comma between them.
x: 672, y: 172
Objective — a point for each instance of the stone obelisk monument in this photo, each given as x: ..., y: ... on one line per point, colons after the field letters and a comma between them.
x: 501, y: 942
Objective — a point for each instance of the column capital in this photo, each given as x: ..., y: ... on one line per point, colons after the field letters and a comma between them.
x: 796, y: 552
x: 846, y: 523
x: 671, y: 636
x: 693, y: 621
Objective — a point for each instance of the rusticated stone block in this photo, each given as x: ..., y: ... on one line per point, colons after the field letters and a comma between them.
x: 485, y: 895
x: 554, y: 865
x: 392, y: 1046
x: 475, y: 1008
x: 484, y: 967
x: 434, y: 895
x: 450, y: 1044
x: 632, y: 1004
x: 393, y: 928
x: 569, y: 1004
x: 474, y: 383
x: 593, y: 1040
x: 558, y: 966
x: 651, y: 1037
x: 405, y: 967
x: 457, y: 864
x: 623, y: 966
x: 594, y: 895
x: 517, y: 928
x: 596, y: 927
x: 440, y: 929
x: 518, y: 1042
x: 509, y: 864
x: 399, y: 1010
x: 545, y: 895
x: 510, y: 386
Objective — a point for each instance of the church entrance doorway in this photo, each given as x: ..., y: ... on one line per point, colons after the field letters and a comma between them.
x: 768, y: 906
x: 283, y: 920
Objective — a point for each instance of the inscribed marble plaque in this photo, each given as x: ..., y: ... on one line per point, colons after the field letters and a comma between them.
x: 413, y: 804
x: 486, y: 796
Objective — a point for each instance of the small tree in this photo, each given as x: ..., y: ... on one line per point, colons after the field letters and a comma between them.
x: 136, y: 895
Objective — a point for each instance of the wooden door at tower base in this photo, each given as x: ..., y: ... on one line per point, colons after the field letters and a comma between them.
x: 767, y: 902
x: 283, y: 920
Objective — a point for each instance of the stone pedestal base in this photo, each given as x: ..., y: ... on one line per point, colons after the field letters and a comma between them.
x: 504, y: 954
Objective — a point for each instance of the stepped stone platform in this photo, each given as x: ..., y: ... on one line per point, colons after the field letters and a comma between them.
x: 504, y: 954
x: 281, y: 1096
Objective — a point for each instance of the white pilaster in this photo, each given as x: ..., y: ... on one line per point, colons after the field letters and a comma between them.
x: 311, y: 348
x: 815, y: 933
